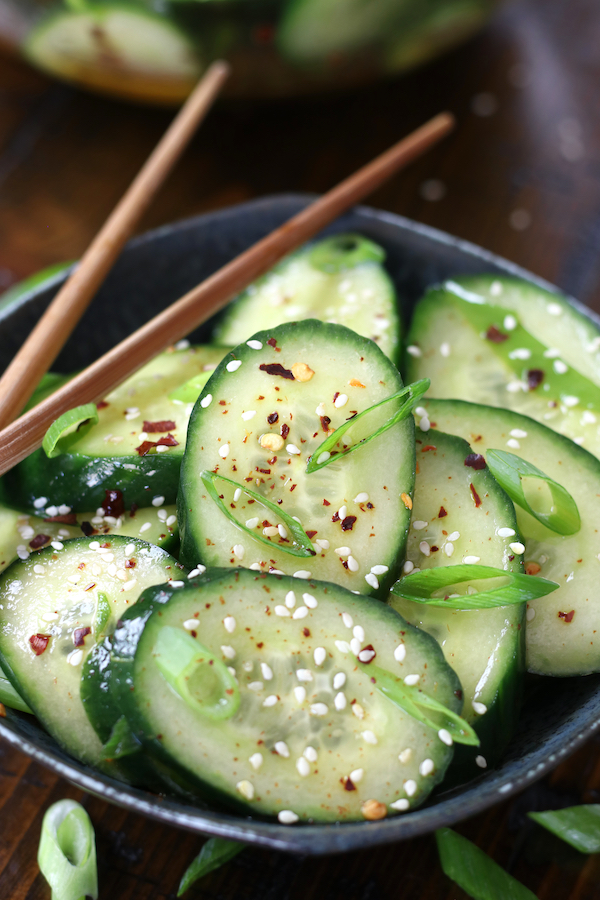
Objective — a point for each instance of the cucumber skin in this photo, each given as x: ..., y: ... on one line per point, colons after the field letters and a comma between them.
x: 121, y: 683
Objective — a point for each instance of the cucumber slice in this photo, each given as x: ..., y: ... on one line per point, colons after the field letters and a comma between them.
x: 47, y: 604
x: 519, y: 347
x: 341, y: 279
x: 257, y: 424
x: 458, y: 512
x: 302, y: 732
x: 562, y: 628
x: 107, y: 456
x: 118, y: 47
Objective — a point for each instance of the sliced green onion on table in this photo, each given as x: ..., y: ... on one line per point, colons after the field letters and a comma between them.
x: 67, y: 852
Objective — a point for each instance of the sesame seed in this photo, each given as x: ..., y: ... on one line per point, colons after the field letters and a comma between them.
x: 254, y: 345
x: 271, y: 700
x: 517, y: 547
x: 424, y: 548
x: 343, y: 646
x: 359, y: 632
x: 426, y: 767
x: 248, y: 414
x: 41, y: 501
x: 361, y: 498
x: 287, y: 817
x: 506, y: 532
x: 302, y: 573
x: 419, y: 525
x: 405, y: 756
x: 300, y: 613
x: 283, y: 532
x: 323, y: 457
x: 171, y: 520
x: 311, y: 754
x: 353, y: 565
x: 408, y: 567
x: 267, y: 671
x: 413, y: 350
x: 224, y: 451
x: 471, y: 560
x: 518, y: 433
x: 252, y: 523
x: 513, y: 387
x: 347, y: 620
x: 340, y: 701
x: 158, y: 501
x: 304, y: 675
x: 369, y: 737
x: 206, y: 401
x: 229, y: 623
x: 282, y: 611
x: 290, y: 599
x: 322, y: 544
x: 190, y: 624
x: 256, y: 760
x: 303, y: 767
x: 57, y: 545
x: 512, y: 442
x: 560, y: 367
x: 39, y: 570
x: 199, y: 570
x: 410, y: 787
x: 227, y: 651
x: 401, y: 805
x: 448, y: 548
x: 411, y: 680
x: 445, y: 737
x: 372, y: 580
x: 246, y: 789
x: 510, y: 323
x: 365, y: 656
x: 340, y: 401
x: 300, y: 693
x: 343, y: 551
x: 318, y: 709
x: 424, y: 424
x: 292, y: 449
x: 320, y: 655
x: 355, y: 646
x: 50, y: 617
x: 112, y: 570
x: 52, y: 511
x: 238, y: 551
x: 75, y: 657
x: 234, y: 365
x: 310, y: 601
x: 480, y: 708
x: 530, y: 613
x: 379, y: 570
x: 358, y: 711
x: 270, y: 530
x: 400, y: 652
x: 320, y: 410
x: 520, y: 353
x: 588, y: 418
x: 339, y: 680
x: 570, y: 400
x: 445, y: 349
x: 481, y: 762
x: 342, y: 512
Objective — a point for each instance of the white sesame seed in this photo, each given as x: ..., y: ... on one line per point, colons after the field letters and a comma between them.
x: 424, y: 548
x: 227, y: 651
x: 513, y: 443
x: 300, y: 693
x: 252, y: 523
x: 510, y: 323
x: 234, y: 365
x: 471, y: 560
x: 320, y: 655
x: 229, y: 623
x: 304, y: 675
x: 506, y: 532
x: 339, y: 680
x: 517, y: 547
x: 267, y: 671
x: 322, y: 544
x: 520, y: 353
x: 408, y: 567
x: 303, y: 767
x: 560, y: 367
x: 323, y: 457
x: 480, y: 708
x: 238, y: 551
x: 256, y: 760
x: 343, y: 646
x: 270, y: 530
x: 365, y: 656
x: 41, y: 501
x: 75, y: 657
x: 254, y: 345
x: 419, y: 525
x: 411, y: 680
x: 300, y: 613
x: 379, y: 570
x: 445, y: 737
x: 224, y: 451
x: 355, y: 646
x: 311, y: 754
x: 248, y: 414
x: 481, y: 762
x: 353, y: 564
x: 369, y: 737
x: 401, y: 805
x: 318, y: 709
x: 50, y: 617
x: 171, y: 520
x: 190, y: 624
x: 372, y: 580
x: 342, y: 512
x: 39, y: 570
x: 340, y: 401
x: 358, y: 711
x: 283, y: 532
x: 400, y: 652
x: 310, y: 601
x: 359, y: 632
x: 340, y: 701
x: 413, y: 350
x: 343, y: 551
x: 426, y: 767
x: 271, y: 700
x: 199, y: 570
x: 158, y: 501
x: 57, y: 545
x: 424, y: 424
x: 347, y: 620
x: 282, y: 611
x: 410, y: 787
x: 445, y: 349
x: 569, y: 400
x: 405, y: 756
x: 361, y: 498
x: 292, y: 449
x: 52, y: 511
x: 290, y: 599
x: 588, y: 418
x: 448, y: 548
x: 246, y: 789
x: 530, y: 614
x: 206, y: 401
x: 287, y: 817
x: 64, y: 510
x: 302, y: 573
x: 320, y: 410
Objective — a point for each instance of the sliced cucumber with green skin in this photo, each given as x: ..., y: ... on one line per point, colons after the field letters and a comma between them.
x: 562, y: 628
x: 284, y: 721
x: 107, y: 456
x: 340, y: 279
x: 458, y: 512
x: 503, y: 342
x: 257, y: 423
x: 53, y: 608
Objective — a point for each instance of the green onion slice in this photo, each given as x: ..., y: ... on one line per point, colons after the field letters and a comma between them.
x: 416, y: 703
x: 215, y: 853
x: 301, y: 543
x: 9, y: 696
x: 579, y: 826
x: 510, y: 470
x: 103, y: 614
x: 122, y: 741
x: 344, y: 251
x: 69, y: 428
x: 323, y: 456
x: 431, y: 587
x: 190, y: 390
x: 67, y: 852
x: 473, y: 870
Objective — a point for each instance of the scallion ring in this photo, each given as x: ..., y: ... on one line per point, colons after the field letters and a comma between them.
x: 68, y: 429
x: 67, y: 852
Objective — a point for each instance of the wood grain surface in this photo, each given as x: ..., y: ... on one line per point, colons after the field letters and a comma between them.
x: 520, y: 176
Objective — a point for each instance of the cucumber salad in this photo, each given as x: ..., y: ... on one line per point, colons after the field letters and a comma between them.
x: 303, y: 571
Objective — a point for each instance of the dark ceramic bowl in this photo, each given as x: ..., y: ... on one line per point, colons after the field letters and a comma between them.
x: 559, y: 714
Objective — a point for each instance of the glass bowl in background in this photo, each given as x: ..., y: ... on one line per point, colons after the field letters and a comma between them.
x: 155, y: 50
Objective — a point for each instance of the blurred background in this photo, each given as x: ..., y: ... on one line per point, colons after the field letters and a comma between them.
x: 319, y: 88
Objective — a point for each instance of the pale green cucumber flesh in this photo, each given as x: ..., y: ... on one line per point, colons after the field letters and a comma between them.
x: 486, y: 647
x: 238, y: 407
x: 261, y: 757
x: 558, y: 643
x: 54, y: 593
x: 360, y: 296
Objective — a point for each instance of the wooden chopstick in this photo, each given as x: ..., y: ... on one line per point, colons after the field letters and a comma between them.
x: 53, y: 329
x: 26, y: 434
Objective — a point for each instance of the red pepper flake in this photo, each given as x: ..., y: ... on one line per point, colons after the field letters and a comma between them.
x: 428, y: 447
x: 272, y: 418
x: 495, y: 335
x: 335, y: 396
x: 161, y: 425
x: 88, y: 529
x: 90, y: 586
x: 39, y: 642
x: 568, y: 617
x: 130, y: 563
x: 348, y: 523
x: 442, y: 513
x: 147, y: 446
x: 310, y: 534
x: 370, y: 505
x: 335, y: 517
x: 325, y: 423
x: 348, y: 783
x: 534, y: 378
x: 475, y: 461
x: 263, y: 471
x: 102, y: 404
x: 433, y: 548
x: 80, y: 634
x: 345, y: 563
x: 113, y: 504
x: 39, y: 540
x: 272, y: 342
x: 285, y: 430
x: 326, y: 503
x: 276, y: 369
x: 68, y: 519
x: 293, y: 488
x: 476, y: 496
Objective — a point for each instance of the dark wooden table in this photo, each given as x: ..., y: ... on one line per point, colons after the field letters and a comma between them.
x: 521, y: 176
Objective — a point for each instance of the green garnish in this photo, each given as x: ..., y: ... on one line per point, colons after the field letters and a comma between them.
x: 323, y: 456
x: 9, y: 696
x: 191, y: 390
x: 579, y: 826
x: 67, y: 852
x: 510, y: 470
x: 515, y: 588
x: 215, y: 853
x: 103, y: 611
x: 473, y: 870
x: 69, y: 428
x: 301, y: 543
x: 344, y: 251
x: 416, y: 703
x: 122, y: 741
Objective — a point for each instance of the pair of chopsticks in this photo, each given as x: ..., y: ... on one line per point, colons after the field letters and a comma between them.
x: 23, y: 436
